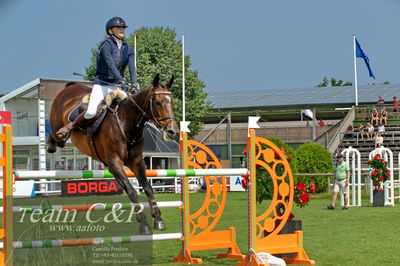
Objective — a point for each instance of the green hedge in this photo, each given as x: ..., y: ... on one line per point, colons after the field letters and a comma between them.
x: 313, y: 158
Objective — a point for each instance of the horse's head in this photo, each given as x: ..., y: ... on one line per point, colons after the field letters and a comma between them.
x: 161, y: 106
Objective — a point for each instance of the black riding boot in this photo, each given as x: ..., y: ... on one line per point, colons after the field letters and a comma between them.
x: 64, y: 131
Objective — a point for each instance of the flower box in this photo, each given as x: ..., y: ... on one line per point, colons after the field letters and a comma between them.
x: 291, y: 226
x: 378, y: 198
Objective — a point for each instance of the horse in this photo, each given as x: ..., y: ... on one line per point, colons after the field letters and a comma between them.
x: 118, y: 142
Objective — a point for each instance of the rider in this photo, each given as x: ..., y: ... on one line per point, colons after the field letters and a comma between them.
x: 113, y: 56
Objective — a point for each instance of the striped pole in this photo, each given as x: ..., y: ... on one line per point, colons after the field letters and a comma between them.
x: 93, y: 207
x: 94, y: 241
x: 149, y: 173
x: 252, y: 192
x: 6, y: 231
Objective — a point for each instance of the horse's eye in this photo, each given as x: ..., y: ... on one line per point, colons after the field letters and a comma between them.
x: 158, y: 103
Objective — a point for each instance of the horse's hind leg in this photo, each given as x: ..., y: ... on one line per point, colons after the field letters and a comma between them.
x: 138, y: 166
x: 119, y: 174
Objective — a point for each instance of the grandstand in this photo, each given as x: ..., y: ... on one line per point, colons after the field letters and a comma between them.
x: 280, y: 111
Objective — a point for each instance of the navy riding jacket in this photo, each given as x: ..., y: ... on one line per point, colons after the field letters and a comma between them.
x: 112, y: 62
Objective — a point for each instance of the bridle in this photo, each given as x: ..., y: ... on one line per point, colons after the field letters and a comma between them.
x: 153, y: 118
x: 148, y: 105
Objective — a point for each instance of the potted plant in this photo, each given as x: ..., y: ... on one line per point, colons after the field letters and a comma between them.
x: 301, y: 198
x: 379, y: 175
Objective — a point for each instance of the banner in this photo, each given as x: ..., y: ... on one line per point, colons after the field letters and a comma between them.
x: 89, y: 187
x: 21, y: 189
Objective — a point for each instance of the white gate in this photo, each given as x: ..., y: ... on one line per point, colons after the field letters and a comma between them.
x: 355, y: 166
x: 387, y: 155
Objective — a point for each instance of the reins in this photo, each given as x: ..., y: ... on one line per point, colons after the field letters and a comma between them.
x: 144, y: 114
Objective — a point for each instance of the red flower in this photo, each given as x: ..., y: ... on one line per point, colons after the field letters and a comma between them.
x: 312, y: 188
x: 244, y: 183
x: 304, y: 198
x: 376, y: 157
x: 380, y: 178
x: 376, y: 184
x: 377, y: 170
x: 387, y: 174
x: 387, y: 170
x: 301, y: 186
x: 245, y: 151
x: 369, y: 161
x: 373, y: 173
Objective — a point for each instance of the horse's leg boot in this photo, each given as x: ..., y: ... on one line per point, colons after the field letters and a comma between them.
x: 79, y: 121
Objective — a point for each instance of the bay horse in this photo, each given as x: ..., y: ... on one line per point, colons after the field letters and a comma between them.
x: 119, y: 140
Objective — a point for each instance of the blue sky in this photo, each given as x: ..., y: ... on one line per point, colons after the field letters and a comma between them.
x: 233, y: 44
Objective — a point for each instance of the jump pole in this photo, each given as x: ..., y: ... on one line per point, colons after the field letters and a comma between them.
x: 92, y: 207
x: 23, y: 175
x: 94, y: 241
x: 6, y: 233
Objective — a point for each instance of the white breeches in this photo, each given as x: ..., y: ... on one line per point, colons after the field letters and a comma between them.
x: 99, y: 92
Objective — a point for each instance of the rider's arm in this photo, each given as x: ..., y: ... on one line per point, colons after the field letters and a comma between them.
x: 131, y: 64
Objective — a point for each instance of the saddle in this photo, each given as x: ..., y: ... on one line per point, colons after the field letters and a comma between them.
x: 111, y: 102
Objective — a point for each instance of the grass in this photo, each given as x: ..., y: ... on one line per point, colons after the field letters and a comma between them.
x: 358, y: 236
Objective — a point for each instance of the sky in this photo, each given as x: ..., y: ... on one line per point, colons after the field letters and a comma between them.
x: 233, y: 44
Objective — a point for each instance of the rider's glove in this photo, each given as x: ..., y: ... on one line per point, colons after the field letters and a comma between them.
x: 124, y: 85
x: 135, y: 87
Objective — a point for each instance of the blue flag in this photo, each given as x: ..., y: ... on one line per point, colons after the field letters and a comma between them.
x: 360, y: 53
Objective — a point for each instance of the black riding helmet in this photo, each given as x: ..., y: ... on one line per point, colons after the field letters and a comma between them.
x: 115, y: 22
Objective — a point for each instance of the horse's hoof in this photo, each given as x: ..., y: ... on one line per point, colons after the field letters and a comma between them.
x: 145, y: 230
x: 159, y: 225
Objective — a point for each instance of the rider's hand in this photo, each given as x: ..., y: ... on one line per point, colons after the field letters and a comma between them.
x: 135, y: 86
x: 125, y: 86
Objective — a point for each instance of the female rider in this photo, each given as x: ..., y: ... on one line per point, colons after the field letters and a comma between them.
x: 113, y: 56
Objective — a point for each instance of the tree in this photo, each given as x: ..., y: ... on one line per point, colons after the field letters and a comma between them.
x: 158, y: 51
x: 333, y: 82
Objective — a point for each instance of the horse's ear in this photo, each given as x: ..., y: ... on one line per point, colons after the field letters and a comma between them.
x: 170, y: 82
x: 156, y: 80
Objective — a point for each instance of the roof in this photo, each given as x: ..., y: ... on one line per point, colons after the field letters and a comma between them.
x: 301, y: 96
x: 28, y: 90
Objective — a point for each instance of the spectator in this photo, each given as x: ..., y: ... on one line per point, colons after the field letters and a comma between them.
x: 384, y: 116
x: 395, y: 105
x: 380, y: 104
x: 381, y: 128
x: 378, y: 140
x: 375, y: 117
x: 321, y: 123
x: 370, y: 130
x: 349, y: 132
x: 341, y: 182
x: 362, y: 131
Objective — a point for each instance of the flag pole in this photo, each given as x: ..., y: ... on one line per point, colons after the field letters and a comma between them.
x: 355, y: 68
x: 134, y: 62
x: 183, y: 79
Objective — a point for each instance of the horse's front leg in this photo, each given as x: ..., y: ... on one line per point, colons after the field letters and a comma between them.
x: 138, y: 166
x: 116, y: 168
